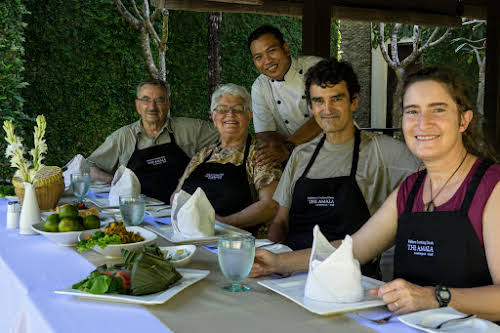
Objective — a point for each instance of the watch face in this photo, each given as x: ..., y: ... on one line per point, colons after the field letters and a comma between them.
x: 444, y: 294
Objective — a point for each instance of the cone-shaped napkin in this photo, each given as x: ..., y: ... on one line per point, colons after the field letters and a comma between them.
x: 193, y: 216
x: 125, y: 182
x: 334, y: 274
x: 78, y: 164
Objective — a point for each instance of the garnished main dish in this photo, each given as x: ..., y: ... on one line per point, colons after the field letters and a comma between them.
x: 114, y: 233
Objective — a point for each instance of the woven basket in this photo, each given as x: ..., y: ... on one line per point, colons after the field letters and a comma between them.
x: 49, y: 187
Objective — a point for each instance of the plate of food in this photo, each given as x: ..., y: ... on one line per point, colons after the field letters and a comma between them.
x: 145, y: 277
x: 110, y: 241
x: 293, y: 289
x: 179, y: 255
x: 64, y: 225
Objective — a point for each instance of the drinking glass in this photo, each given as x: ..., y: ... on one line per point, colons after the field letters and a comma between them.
x: 132, y: 208
x: 236, y: 253
x: 80, y: 185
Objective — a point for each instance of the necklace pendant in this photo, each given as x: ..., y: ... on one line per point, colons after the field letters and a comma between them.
x: 429, y: 207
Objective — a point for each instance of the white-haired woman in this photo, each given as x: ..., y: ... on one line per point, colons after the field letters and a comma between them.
x: 239, y: 190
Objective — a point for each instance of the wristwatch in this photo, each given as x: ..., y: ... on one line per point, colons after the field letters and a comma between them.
x: 290, y: 146
x: 443, y: 295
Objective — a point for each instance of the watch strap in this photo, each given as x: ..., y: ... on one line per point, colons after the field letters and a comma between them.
x: 443, y: 295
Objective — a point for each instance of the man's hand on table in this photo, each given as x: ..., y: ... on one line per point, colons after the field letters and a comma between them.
x: 265, y: 263
x: 271, y: 153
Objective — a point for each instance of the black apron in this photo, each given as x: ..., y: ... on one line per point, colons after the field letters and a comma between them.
x: 226, y: 185
x: 441, y: 247
x: 335, y: 204
x: 159, y: 169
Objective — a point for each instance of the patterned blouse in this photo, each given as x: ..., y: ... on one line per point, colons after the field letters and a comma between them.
x: 259, y: 176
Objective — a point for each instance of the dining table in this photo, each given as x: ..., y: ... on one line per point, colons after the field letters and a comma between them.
x: 33, y: 267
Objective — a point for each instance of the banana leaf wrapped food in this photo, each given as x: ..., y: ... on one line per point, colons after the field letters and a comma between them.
x: 142, y: 273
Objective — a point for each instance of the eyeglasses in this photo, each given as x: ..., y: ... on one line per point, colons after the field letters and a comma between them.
x: 237, y: 109
x: 157, y: 101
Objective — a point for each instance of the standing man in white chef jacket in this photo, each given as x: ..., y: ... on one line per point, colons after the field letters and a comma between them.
x: 281, y: 117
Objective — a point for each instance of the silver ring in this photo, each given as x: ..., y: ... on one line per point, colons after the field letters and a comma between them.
x: 396, y: 305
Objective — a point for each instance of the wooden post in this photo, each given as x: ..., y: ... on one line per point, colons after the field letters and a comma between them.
x: 316, y: 24
x: 492, y: 89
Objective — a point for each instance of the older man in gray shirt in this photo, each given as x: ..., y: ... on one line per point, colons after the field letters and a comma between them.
x: 157, y: 147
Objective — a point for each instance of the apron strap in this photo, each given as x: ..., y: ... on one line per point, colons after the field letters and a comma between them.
x: 355, y: 153
x: 471, y: 189
x: 313, y: 157
x: 247, y: 150
x: 414, y: 190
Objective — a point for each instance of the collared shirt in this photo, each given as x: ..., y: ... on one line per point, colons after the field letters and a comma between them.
x: 281, y: 105
x: 259, y: 176
x: 383, y: 164
x: 190, y: 135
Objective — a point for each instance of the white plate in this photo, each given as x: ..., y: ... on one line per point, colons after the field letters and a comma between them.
x: 167, y: 232
x: 189, y: 277
x: 191, y: 249
x: 434, y: 317
x: 274, y: 248
x: 114, y: 250
x: 159, y: 211
x: 100, y: 188
x: 293, y: 289
x: 104, y: 202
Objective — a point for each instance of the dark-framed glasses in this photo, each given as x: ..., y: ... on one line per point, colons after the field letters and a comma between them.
x: 157, y: 101
x: 236, y: 109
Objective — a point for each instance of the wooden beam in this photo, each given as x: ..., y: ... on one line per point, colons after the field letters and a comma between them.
x: 316, y: 23
x: 492, y: 88
x: 244, y: 2
x: 273, y: 7
x: 294, y: 9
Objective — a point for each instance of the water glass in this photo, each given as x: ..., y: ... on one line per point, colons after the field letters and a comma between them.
x: 236, y: 253
x: 80, y: 185
x: 132, y: 208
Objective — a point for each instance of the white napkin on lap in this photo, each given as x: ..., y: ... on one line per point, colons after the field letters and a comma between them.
x: 193, y: 215
x: 334, y: 275
x: 124, y: 182
x: 78, y: 164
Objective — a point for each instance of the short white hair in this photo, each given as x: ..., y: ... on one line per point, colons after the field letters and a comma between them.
x: 231, y: 89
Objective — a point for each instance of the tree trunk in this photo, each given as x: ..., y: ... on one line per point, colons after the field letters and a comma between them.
x: 480, y: 86
x: 214, y: 43
x: 396, y: 102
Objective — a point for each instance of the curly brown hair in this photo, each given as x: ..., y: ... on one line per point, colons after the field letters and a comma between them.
x: 473, y: 138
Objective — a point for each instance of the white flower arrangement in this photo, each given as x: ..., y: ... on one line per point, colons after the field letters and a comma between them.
x: 26, y: 170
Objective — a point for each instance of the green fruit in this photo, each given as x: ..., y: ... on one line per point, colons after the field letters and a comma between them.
x: 68, y: 211
x: 69, y: 224
x: 91, y: 222
x: 51, y: 223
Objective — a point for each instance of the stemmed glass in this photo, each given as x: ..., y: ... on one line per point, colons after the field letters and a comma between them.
x: 80, y: 185
x: 236, y: 254
x: 132, y: 208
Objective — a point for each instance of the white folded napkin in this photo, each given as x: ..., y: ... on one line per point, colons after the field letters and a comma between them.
x: 78, y: 164
x: 124, y: 182
x: 192, y: 215
x: 334, y: 275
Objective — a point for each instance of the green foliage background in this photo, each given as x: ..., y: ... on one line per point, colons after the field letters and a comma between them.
x: 83, y: 63
x: 11, y: 72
